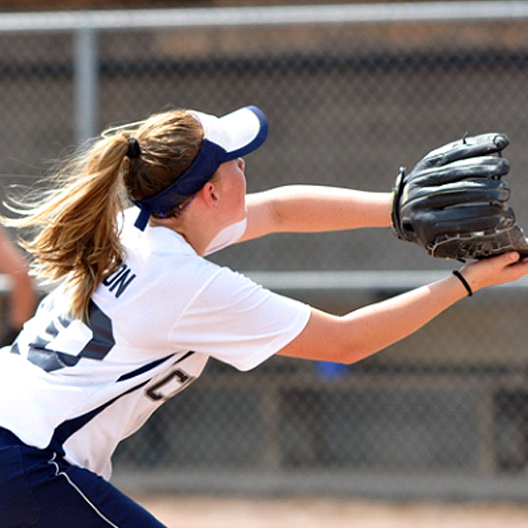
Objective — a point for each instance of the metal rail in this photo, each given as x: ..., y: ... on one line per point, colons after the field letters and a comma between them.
x: 262, y: 15
x: 86, y: 24
x: 358, y: 281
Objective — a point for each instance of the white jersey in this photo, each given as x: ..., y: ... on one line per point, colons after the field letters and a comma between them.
x: 79, y: 389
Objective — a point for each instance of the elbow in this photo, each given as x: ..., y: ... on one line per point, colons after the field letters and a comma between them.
x: 352, y: 354
x: 22, y: 279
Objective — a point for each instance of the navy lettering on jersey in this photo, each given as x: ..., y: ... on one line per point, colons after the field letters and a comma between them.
x: 119, y: 280
x: 102, y: 340
x: 170, y: 385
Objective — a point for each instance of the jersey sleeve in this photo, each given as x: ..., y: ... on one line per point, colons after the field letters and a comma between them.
x: 230, y: 235
x: 239, y: 322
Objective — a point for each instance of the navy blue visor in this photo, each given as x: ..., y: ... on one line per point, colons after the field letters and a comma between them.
x: 224, y: 139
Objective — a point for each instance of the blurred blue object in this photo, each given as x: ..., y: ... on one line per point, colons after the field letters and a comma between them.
x: 330, y: 370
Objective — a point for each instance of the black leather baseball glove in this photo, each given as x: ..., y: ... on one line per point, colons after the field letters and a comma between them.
x: 454, y: 202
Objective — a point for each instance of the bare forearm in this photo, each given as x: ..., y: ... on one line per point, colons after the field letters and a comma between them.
x: 312, y: 208
x: 379, y: 325
x: 365, y: 331
x: 22, y: 295
x: 23, y: 300
x: 309, y: 208
x: 382, y: 324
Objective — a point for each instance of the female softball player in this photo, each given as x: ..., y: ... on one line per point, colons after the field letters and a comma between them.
x: 139, y: 310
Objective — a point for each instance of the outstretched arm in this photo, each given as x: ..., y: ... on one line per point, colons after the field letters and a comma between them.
x: 312, y: 208
x: 365, y: 331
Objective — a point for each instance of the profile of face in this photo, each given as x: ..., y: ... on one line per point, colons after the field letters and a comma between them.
x: 216, y: 159
x: 230, y: 181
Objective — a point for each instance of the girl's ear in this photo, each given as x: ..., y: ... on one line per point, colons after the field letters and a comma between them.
x: 210, y: 194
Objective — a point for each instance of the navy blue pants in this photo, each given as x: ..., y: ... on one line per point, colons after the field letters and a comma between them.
x: 38, y: 489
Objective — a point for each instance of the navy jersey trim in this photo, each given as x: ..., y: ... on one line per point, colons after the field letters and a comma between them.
x: 153, y: 364
x: 143, y: 369
x: 69, y: 427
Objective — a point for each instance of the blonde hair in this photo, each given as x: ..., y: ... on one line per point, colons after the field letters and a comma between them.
x: 74, y: 226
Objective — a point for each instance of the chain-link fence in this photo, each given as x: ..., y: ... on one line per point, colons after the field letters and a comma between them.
x: 351, y: 93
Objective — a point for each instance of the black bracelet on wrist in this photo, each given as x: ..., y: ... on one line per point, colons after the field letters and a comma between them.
x: 460, y: 277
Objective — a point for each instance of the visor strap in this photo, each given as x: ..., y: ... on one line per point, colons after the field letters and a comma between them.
x: 143, y: 217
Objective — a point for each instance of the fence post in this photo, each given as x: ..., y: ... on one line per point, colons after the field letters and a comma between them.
x: 85, y: 83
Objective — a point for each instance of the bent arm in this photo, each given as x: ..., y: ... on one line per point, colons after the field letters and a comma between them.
x: 22, y: 296
x: 312, y: 208
x: 365, y: 331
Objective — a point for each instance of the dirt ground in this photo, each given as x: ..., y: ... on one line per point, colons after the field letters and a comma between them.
x: 202, y: 512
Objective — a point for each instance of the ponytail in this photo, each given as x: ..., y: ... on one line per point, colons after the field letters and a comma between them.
x: 75, y: 227
x: 74, y: 231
